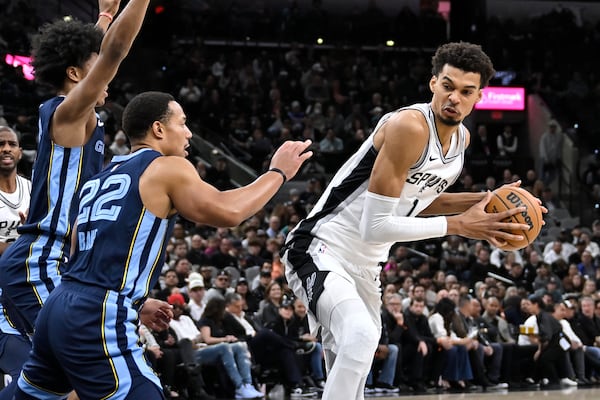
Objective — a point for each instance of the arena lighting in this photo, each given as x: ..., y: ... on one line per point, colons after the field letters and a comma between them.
x: 390, y: 43
x: 67, y: 18
x: 320, y: 41
x: 21, y: 61
x: 502, y: 98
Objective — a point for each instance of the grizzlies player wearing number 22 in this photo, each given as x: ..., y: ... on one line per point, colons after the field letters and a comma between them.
x: 86, y: 334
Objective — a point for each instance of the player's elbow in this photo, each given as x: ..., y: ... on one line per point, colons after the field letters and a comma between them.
x: 114, y: 55
x: 230, y: 217
x: 368, y: 233
x: 226, y: 220
x: 116, y: 50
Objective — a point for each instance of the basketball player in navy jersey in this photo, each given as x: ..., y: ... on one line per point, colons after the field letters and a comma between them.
x: 379, y: 197
x: 86, y: 336
x: 78, y: 63
x: 14, y: 202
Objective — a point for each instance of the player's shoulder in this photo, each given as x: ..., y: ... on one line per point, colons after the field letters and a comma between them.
x: 23, y: 179
x: 407, y: 123
x: 171, y: 167
x: 408, y: 118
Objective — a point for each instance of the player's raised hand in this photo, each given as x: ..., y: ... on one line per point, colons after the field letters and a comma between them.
x: 109, y: 6
x: 290, y: 156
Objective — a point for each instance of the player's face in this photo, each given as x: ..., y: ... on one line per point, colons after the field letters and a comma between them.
x: 10, y: 152
x: 178, y: 133
x: 455, y: 93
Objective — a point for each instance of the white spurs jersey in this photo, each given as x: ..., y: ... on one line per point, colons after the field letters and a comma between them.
x: 10, y: 206
x: 335, y: 219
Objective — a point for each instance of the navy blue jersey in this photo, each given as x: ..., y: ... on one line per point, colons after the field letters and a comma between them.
x: 30, y: 268
x: 86, y: 333
x: 58, y: 173
x: 120, y: 244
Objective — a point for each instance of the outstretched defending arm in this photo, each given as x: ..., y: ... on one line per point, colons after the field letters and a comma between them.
x: 74, y: 119
x: 107, y: 10
x: 172, y: 184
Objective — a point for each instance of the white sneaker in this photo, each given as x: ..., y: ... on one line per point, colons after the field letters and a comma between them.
x: 369, y: 390
x: 246, y: 391
x: 568, y: 382
x: 257, y: 392
x: 299, y: 391
x: 498, y: 386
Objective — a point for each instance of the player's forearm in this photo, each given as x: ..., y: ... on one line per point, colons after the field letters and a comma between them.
x: 120, y: 37
x: 246, y: 201
x: 103, y: 23
x: 107, y: 10
x: 379, y: 225
x: 453, y: 203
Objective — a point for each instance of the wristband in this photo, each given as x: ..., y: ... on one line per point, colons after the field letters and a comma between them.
x: 280, y: 172
x: 107, y: 15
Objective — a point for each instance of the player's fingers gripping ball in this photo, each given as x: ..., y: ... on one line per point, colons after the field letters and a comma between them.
x: 505, y: 198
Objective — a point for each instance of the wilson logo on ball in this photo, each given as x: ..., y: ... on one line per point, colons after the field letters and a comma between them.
x: 517, y: 202
x: 506, y: 198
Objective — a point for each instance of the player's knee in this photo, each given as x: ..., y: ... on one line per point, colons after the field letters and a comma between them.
x: 360, y: 339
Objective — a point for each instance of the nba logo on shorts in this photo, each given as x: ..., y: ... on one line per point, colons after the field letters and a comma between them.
x: 322, y: 248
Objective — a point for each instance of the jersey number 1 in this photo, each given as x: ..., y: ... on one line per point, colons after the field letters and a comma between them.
x: 413, y: 207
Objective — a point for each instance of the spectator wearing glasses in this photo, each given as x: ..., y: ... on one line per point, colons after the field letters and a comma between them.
x: 220, y: 288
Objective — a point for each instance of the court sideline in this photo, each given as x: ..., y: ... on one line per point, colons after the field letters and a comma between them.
x: 572, y: 393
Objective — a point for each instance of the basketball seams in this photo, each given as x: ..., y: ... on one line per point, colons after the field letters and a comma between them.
x: 528, y: 201
x: 507, y: 206
x: 532, y: 200
x: 533, y: 205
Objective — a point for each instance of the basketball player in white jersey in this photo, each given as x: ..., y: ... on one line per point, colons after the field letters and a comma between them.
x: 380, y: 196
x: 14, y: 202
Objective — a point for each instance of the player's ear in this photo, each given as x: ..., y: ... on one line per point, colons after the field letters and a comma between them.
x: 432, y: 82
x: 479, y: 95
x: 73, y: 73
x: 157, y: 129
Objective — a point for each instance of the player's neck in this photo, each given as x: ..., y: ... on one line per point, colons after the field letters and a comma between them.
x: 8, y: 182
x: 445, y: 136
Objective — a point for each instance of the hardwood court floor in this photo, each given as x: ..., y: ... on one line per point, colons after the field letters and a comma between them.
x: 571, y: 393
x: 587, y: 393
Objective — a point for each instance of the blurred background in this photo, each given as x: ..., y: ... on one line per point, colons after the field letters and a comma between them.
x: 251, y: 74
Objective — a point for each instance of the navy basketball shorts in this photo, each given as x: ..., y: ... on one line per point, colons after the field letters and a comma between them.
x: 86, y: 339
x: 29, y: 273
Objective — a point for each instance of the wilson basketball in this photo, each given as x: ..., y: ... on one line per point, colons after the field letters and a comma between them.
x: 505, y: 198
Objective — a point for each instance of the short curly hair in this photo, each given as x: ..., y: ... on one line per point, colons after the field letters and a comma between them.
x: 62, y: 44
x: 465, y: 56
